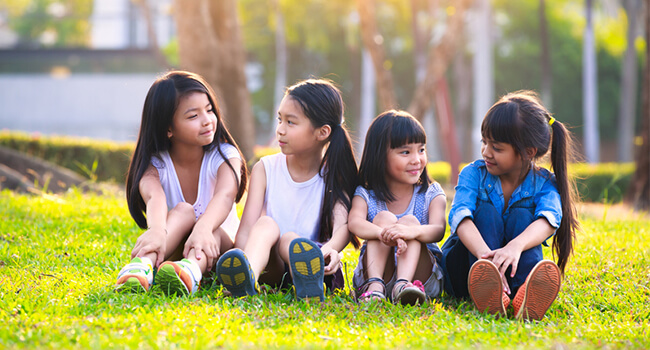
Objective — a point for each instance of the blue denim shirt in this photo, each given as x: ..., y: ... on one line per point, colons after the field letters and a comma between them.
x: 537, y: 193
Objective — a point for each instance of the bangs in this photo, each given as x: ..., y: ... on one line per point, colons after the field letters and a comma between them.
x: 501, y: 123
x: 406, y: 130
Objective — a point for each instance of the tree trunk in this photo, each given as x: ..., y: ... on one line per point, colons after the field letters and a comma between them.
x: 627, y: 107
x: 210, y: 44
x: 590, y: 90
x: 151, y: 33
x: 367, y: 110
x: 545, y: 57
x: 373, y: 42
x: 280, y: 64
x: 639, y: 192
x: 482, y: 68
x: 439, y: 58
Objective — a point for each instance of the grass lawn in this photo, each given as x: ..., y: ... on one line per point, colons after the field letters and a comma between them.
x: 59, y: 257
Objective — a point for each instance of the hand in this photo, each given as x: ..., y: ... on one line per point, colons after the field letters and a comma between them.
x: 332, y: 259
x: 152, y: 241
x: 503, y: 258
x: 401, y: 246
x: 204, y: 245
x: 391, y: 234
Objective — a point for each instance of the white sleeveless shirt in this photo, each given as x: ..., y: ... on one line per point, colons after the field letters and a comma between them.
x: 210, y: 164
x: 294, y: 206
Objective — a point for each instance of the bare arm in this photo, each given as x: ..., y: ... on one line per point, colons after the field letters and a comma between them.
x: 153, y: 240
x: 338, y: 242
x: 254, y: 207
x: 358, y: 223
x: 225, y: 191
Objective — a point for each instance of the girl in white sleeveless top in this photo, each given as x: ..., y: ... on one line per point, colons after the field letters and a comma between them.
x: 185, y: 176
x: 295, y: 218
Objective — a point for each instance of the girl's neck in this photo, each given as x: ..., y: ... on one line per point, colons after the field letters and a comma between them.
x: 304, y: 166
x: 516, y: 177
x: 181, y: 154
x: 400, y: 190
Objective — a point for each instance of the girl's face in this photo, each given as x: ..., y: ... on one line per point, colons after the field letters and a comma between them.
x: 195, y: 121
x: 406, y: 163
x: 294, y: 132
x: 501, y: 158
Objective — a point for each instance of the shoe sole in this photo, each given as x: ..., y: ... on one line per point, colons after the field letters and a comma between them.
x: 234, y: 272
x: 308, y: 267
x: 172, y: 279
x: 411, y: 296
x: 484, y: 284
x: 541, y: 290
x: 132, y: 284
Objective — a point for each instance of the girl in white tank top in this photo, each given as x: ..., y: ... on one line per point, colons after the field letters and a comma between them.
x: 295, y: 218
x: 185, y: 176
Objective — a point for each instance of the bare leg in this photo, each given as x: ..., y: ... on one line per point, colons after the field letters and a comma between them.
x: 378, y: 259
x: 180, y: 221
x: 260, y: 244
x: 415, y: 260
x: 224, y: 243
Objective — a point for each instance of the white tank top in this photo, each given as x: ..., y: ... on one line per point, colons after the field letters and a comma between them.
x: 212, y: 160
x: 294, y: 206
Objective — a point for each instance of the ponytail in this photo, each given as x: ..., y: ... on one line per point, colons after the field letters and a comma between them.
x: 339, y: 171
x: 561, y: 152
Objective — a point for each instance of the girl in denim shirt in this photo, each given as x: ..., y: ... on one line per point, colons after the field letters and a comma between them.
x: 506, y: 207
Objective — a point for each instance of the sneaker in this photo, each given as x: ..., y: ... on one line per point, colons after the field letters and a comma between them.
x: 485, y: 288
x: 235, y: 273
x: 180, y: 278
x: 135, y: 277
x: 539, y: 291
x: 308, y: 268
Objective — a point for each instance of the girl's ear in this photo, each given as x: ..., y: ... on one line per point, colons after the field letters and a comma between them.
x: 531, y: 152
x: 169, y: 133
x: 324, y: 132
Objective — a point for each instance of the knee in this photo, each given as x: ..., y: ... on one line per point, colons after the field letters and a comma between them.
x: 409, y: 220
x: 265, y: 227
x: 384, y: 218
x: 183, y: 209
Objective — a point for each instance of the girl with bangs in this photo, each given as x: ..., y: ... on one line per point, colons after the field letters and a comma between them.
x: 185, y: 176
x: 399, y: 212
x: 506, y: 207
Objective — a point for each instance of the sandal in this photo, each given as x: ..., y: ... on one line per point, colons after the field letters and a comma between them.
x: 371, y: 295
x: 407, y: 293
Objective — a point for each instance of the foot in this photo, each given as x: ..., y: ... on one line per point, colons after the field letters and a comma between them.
x: 308, y: 268
x: 179, y: 277
x: 485, y: 287
x: 373, y: 289
x: 407, y: 293
x: 539, y: 291
x: 235, y: 273
x: 135, y: 277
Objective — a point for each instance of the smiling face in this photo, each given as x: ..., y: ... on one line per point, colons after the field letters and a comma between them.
x: 501, y: 159
x: 405, y: 164
x: 295, y: 132
x: 194, y: 122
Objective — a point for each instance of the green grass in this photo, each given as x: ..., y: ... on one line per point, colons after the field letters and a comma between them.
x: 59, y: 257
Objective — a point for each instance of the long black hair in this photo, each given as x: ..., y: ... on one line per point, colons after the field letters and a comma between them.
x: 389, y: 130
x: 157, y: 115
x: 520, y: 119
x: 322, y: 103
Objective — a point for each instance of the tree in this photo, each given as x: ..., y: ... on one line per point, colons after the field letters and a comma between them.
x: 439, y: 58
x: 590, y: 89
x: 545, y: 57
x: 210, y: 44
x: 638, y: 194
x: 627, y: 106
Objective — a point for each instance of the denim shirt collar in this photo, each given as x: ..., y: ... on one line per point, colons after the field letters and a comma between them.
x: 495, y: 191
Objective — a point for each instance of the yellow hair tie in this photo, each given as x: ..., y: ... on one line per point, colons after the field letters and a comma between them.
x: 551, y: 121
